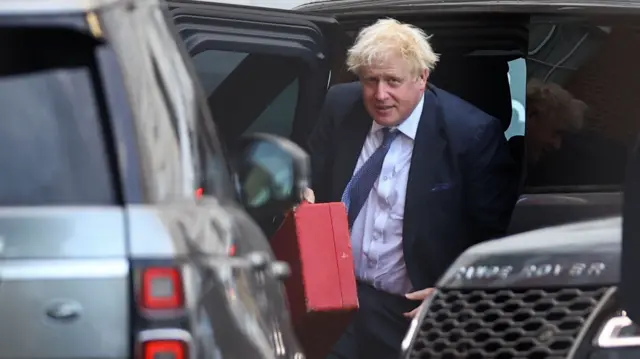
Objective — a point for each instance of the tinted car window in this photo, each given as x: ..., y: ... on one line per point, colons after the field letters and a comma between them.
x: 582, y: 109
x: 215, y: 65
x: 52, y: 148
x: 278, y: 113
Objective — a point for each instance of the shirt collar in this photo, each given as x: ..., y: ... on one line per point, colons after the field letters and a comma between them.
x: 408, y: 127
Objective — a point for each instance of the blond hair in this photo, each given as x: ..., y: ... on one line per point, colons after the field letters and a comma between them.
x: 387, y: 37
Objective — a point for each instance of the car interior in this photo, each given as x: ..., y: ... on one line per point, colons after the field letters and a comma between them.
x: 572, y: 140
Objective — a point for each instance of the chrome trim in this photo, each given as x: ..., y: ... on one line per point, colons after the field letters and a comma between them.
x: 16, y: 270
x: 411, y: 333
x: 414, y: 327
x: 589, y: 322
x: 165, y: 333
x: 608, y: 335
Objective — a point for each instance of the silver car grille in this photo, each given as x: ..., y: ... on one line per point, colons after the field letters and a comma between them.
x: 504, y: 323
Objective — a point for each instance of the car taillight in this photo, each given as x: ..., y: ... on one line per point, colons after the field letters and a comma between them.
x: 232, y: 250
x: 162, y: 289
x: 164, y: 349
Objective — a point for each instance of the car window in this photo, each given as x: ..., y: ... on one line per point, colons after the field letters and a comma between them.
x: 278, y: 117
x: 52, y: 147
x: 214, y: 66
x: 581, y: 105
x: 517, y: 85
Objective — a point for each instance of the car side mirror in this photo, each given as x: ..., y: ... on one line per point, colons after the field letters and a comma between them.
x: 271, y: 173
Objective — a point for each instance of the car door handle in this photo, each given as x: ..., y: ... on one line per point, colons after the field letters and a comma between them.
x: 262, y: 262
x: 280, y: 270
x: 259, y: 261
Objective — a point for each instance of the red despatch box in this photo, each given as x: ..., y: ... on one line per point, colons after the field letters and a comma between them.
x: 314, y: 239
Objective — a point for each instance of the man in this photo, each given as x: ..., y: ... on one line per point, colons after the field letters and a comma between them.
x: 551, y: 112
x: 424, y: 175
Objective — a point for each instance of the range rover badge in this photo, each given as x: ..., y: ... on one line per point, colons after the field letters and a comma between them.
x: 570, y: 270
x: 64, y: 310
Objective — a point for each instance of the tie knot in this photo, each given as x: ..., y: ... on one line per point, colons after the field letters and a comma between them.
x: 388, y: 135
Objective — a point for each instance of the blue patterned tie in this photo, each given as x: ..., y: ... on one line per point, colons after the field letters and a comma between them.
x: 360, y: 185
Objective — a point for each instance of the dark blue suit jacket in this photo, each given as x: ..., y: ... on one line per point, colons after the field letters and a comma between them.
x: 462, y: 183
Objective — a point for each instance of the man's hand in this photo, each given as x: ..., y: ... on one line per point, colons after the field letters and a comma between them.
x: 420, y: 295
x: 308, y: 195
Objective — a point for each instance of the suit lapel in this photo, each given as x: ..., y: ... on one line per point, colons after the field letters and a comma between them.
x: 428, y: 154
x: 351, y: 136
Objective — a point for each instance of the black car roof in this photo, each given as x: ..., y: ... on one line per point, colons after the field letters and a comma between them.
x: 389, y: 7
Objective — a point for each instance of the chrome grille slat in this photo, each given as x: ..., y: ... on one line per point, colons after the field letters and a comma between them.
x: 504, y: 323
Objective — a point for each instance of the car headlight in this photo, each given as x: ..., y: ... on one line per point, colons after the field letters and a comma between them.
x: 618, y: 332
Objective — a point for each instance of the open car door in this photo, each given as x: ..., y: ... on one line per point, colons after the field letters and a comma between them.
x: 262, y: 70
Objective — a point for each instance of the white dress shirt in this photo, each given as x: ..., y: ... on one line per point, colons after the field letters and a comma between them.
x: 376, y: 235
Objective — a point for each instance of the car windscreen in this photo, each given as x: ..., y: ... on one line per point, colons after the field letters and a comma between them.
x: 52, y: 140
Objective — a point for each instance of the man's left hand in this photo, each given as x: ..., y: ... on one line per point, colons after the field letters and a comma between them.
x: 308, y: 195
x: 420, y: 295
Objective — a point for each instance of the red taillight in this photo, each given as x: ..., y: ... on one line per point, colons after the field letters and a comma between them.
x: 164, y: 349
x: 162, y: 289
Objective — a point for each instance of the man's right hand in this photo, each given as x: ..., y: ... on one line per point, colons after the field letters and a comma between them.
x: 420, y: 295
x: 308, y: 195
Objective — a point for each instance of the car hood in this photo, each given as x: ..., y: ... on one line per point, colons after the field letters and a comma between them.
x: 580, y: 254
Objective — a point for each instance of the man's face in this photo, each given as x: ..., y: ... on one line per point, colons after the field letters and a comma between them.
x: 391, y: 91
x: 544, y: 135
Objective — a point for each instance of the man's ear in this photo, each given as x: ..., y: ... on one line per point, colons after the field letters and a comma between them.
x: 424, y: 76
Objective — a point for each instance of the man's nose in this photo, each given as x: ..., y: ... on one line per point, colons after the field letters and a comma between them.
x: 381, y: 91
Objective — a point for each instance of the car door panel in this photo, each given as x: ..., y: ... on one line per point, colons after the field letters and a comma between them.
x: 64, y: 283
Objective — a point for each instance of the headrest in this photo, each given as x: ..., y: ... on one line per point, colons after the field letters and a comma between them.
x: 481, y: 81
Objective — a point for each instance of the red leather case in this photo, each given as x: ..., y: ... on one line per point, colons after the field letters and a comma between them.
x: 314, y: 240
